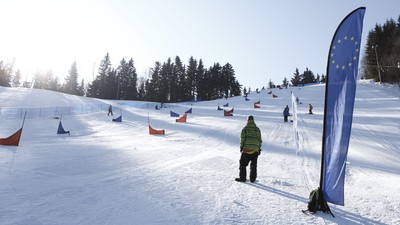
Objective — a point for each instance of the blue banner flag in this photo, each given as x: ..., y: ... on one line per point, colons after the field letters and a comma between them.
x: 341, y: 78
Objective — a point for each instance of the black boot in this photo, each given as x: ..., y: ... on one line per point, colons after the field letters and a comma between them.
x: 240, y: 179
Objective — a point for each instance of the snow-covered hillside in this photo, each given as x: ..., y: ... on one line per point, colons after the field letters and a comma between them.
x: 116, y: 173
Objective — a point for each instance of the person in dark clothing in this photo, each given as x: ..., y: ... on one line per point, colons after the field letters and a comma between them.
x: 310, y: 108
x: 110, y: 110
x: 250, y: 148
x: 286, y: 113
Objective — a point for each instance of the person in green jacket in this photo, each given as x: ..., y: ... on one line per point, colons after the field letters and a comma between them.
x: 250, y: 148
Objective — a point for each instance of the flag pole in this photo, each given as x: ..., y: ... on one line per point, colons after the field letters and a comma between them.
x: 23, y: 121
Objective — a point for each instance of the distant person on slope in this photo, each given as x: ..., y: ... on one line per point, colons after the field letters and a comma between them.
x: 110, y: 110
x: 286, y: 113
x: 310, y: 108
x: 250, y: 147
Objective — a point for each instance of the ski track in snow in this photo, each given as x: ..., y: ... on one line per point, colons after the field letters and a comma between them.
x: 116, y: 173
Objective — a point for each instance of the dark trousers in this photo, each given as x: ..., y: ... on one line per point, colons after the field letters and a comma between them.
x: 244, y: 162
x: 285, y: 118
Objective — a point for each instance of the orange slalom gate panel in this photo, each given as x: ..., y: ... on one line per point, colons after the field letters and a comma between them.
x: 182, y: 119
x: 154, y: 131
x: 227, y: 113
x: 12, y: 139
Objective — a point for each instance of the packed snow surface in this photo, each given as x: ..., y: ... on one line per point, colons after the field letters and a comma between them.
x: 116, y: 173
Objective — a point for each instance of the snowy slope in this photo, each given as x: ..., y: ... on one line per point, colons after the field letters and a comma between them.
x: 116, y: 173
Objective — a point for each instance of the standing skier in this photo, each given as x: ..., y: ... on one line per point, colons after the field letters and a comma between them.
x: 110, y: 110
x: 286, y: 113
x: 310, y: 108
x: 250, y: 147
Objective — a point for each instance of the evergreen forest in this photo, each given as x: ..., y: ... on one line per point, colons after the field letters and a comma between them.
x: 177, y: 81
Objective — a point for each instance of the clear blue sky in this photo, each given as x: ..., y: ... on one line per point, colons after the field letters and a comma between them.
x: 262, y: 39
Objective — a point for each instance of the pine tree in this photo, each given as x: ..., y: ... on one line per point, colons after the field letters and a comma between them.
x: 215, y: 82
x: 323, y: 80
x: 54, y: 84
x: 42, y: 80
x: 285, y: 82
x: 308, y: 77
x: 296, y: 79
x: 236, y: 89
x: 153, y: 90
x: 142, y: 88
x: 192, y: 78
x: 200, y: 84
x: 231, y: 86
x: 271, y: 84
x: 71, y: 81
x: 99, y: 87
x: 382, y: 52
x: 180, y: 87
x: 205, y: 90
x: 111, y: 85
x: 126, y: 80
x: 167, y: 82
x: 16, y: 81
x: 5, y: 74
x: 132, y: 81
x: 318, y: 79
x: 81, y: 88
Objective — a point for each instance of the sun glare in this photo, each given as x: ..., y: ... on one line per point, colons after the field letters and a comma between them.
x: 48, y: 36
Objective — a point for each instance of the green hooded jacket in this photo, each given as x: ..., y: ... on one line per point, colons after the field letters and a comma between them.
x: 250, y: 138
